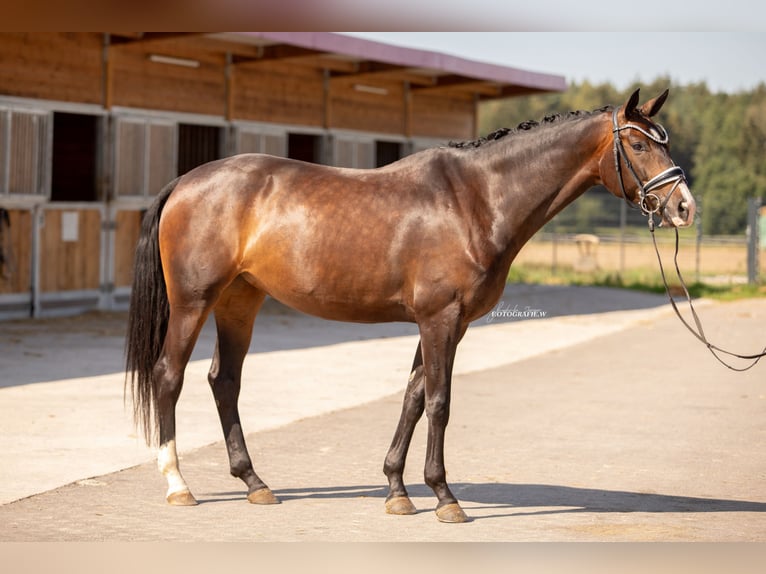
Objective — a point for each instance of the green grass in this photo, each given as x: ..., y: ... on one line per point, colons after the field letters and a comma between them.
x: 646, y: 280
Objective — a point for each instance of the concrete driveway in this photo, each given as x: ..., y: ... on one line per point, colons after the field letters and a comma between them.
x: 605, y: 421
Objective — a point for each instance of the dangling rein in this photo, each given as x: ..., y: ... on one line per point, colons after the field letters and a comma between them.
x: 650, y: 204
x: 699, y: 332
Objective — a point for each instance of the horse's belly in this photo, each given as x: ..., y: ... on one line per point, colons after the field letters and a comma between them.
x: 359, y: 310
x: 330, y: 298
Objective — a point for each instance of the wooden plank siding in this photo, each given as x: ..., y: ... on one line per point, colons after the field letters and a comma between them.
x: 441, y: 116
x: 128, y: 227
x: 351, y: 108
x: 70, y: 67
x: 17, y: 273
x: 70, y: 265
x: 278, y: 93
x: 63, y: 66
x: 137, y: 82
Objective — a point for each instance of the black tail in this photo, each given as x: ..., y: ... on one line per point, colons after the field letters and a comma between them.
x: 147, y: 319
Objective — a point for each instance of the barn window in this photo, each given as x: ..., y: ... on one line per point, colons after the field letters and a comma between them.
x: 254, y: 138
x: 353, y: 151
x: 387, y: 152
x: 24, y: 143
x: 305, y: 147
x: 145, y: 154
x: 198, y: 144
x: 75, y: 151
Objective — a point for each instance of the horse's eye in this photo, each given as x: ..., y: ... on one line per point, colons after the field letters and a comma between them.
x: 638, y: 146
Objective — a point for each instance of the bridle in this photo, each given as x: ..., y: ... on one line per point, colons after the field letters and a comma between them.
x: 650, y: 204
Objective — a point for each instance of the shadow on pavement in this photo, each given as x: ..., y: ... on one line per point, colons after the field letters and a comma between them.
x: 525, y: 499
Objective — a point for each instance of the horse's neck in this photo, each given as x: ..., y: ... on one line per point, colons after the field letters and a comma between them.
x: 533, y: 177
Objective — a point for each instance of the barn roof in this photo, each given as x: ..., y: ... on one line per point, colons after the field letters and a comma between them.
x: 354, y: 57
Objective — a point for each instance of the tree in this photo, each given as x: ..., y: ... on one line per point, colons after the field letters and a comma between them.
x: 728, y: 162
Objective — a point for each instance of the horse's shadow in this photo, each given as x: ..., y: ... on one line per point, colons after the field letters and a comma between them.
x: 536, y: 499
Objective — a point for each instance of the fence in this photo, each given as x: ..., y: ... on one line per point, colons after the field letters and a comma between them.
x: 598, y: 232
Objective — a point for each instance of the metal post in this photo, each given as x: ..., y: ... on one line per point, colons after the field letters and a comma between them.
x: 38, y: 222
x: 753, y: 208
x: 698, y: 254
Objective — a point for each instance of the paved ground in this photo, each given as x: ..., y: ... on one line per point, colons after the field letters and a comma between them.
x: 597, y: 423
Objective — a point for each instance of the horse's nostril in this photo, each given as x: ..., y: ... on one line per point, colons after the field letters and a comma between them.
x: 683, y: 208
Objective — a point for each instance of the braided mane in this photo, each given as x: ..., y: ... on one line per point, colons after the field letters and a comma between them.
x: 524, y: 127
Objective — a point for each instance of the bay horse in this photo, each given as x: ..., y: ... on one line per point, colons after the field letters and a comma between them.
x: 428, y: 239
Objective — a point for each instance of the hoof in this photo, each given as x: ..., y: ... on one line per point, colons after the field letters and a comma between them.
x: 262, y: 496
x: 182, y: 498
x: 400, y: 505
x: 451, y: 513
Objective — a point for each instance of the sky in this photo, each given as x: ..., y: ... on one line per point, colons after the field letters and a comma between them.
x: 726, y: 61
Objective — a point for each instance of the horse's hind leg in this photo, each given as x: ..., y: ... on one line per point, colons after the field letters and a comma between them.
x: 398, y: 501
x: 183, y: 328
x: 234, y: 316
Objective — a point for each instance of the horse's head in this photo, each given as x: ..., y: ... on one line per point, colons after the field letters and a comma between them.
x: 640, y: 168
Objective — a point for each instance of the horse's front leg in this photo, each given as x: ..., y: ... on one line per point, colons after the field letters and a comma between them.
x: 398, y: 501
x: 439, y: 337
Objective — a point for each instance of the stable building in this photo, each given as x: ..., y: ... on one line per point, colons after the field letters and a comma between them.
x: 93, y: 125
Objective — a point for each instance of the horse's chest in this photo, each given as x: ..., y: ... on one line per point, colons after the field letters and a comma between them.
x: 482, y: 296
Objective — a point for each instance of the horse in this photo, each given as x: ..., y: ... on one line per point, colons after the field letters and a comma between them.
x: 427, y: 239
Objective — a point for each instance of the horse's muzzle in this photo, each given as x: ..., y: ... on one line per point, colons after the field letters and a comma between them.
x: 681, y: 208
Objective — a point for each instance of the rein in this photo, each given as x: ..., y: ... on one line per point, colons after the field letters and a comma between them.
x: 699, y: 333
x: 650, y: 205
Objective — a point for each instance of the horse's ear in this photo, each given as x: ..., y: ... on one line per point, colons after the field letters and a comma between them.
x: 653, y: 106
x: 629, y: 109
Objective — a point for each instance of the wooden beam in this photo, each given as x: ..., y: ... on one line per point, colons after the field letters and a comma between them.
x: 317, y: 60
x: 228, y: 87
x: 122, y: 38
x: 277, y: 52
x: 107, y: 77
x: 448, y: 84
x: 326, y: 108
x: 329, y: 63
x: 398, y: 75
x: 407, y: 127
x: 369, y: 71
x: 511, y: 90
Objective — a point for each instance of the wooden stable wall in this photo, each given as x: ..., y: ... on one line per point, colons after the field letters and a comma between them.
x: 52, y: 66
x: 70, y: 262
x: 437, y: 115
x: 56, y: 260
x: 383, y: 112
x: 15, y: 275
x: 73, y: 270
x: 78, y: 67
x: 135, y: 81
x: 278, y: 93
x: 266, y: 97
x: 127, y: 229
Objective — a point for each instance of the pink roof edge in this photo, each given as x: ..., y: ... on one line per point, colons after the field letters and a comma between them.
x: 338, y: 43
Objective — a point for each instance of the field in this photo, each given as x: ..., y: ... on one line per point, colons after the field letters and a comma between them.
x: 712, y: 262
